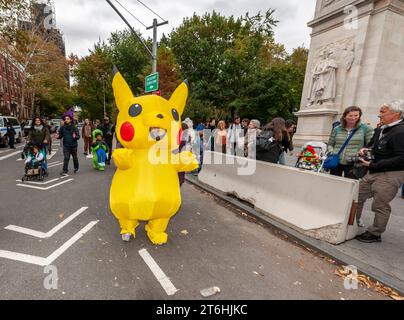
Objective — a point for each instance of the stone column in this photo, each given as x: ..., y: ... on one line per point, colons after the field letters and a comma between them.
x: 356, y: 58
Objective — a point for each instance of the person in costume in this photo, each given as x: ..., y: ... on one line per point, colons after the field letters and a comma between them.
x: 145, y: 186
x: 99, y: 150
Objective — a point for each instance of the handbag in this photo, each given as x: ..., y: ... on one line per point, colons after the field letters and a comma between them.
x: 332, y: 160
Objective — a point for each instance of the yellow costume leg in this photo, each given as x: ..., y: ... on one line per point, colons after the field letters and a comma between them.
x: 128, y: 226
x: 156, y: 231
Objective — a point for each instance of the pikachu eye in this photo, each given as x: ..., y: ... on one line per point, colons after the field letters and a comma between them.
x: 175, y: 114
x: 135, y: 110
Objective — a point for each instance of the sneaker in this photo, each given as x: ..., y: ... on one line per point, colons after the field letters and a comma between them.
x: 85, y: 153
x: 367, y: 237
x: 108, y: 162
x: 76, y: 170
x: 63, y: 173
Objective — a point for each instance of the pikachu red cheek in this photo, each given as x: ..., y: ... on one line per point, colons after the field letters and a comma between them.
x: 127, y: 131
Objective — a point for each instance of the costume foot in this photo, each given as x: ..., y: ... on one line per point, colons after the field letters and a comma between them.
x: 157, y: 238
x: 126, y: 237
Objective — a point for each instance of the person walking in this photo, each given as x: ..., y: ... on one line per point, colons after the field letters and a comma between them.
x: 38, y: 133
x: 70, y: 135
x: 350, y: 124
x: 108, y: 130
x: 86, y: 132
x: 11, y: 135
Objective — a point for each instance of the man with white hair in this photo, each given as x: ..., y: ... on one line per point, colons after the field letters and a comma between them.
x: 386, y: 170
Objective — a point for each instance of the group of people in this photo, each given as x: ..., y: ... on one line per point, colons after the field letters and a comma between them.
x: 97, y: 137
x: 244, y: 138
x: 380, y: 152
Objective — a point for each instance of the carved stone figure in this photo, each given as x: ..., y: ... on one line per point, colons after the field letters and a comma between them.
x: 323, y: 81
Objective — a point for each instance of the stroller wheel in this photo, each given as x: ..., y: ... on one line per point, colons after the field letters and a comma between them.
x: 23, y: 179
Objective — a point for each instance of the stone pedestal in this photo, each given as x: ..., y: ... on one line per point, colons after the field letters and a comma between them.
x: 356, y: 59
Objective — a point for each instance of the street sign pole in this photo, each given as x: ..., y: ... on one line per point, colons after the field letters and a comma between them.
x: 154, y: 53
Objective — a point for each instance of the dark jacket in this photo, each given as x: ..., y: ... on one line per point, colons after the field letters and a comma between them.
x: 11, y: 132
x: 388, y: 149
x: 108, y: 132
x: 275, y: 151
x: 66, y: 133
x: 38, y: 136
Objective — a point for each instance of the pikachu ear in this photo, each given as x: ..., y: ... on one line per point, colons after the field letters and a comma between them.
x: 122, y: 92
x: 179, y: 97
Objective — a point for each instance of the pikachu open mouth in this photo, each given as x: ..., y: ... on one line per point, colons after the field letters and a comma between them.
x: 157, y: 133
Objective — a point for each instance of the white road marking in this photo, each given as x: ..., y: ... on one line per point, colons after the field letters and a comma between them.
x: 158, y: 273
x: 55, y: 165
x: 10, y: 155
x: 50, y: 163
x: 50, y: 233
x: 52, y: 154
x: 43, y: 189
x: 8, y: 150
x: 16, y: 256
x: 42, y: 183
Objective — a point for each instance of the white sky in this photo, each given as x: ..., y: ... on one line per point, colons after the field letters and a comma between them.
x: 83, y: 22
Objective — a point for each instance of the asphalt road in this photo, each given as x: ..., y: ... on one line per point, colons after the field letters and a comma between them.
x: 209, y: 245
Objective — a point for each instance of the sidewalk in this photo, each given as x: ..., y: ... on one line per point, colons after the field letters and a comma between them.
x: 381, y: 261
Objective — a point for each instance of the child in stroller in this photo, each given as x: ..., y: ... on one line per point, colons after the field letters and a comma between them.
x: 311, y: 156
x: 35, y: 163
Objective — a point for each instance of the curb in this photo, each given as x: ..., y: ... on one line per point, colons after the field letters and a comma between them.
x: 317, y: 245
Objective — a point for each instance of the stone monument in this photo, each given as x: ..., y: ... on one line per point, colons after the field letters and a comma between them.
x: 356, y: 59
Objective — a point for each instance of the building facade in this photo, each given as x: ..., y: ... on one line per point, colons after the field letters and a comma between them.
x: 11, y: 80
x: 356, y: 57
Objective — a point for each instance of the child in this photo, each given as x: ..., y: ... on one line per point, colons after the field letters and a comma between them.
x: 99, y: 150
x: 34, y: 158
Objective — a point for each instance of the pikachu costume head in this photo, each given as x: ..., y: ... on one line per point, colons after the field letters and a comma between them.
x: 144, y: 189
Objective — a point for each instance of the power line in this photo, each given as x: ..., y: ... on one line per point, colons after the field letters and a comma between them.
x: 151, y: 10
x: 130, y: 13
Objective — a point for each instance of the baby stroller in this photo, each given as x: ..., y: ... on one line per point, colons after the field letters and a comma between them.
x: 312, y: 156
x: 35, y: 164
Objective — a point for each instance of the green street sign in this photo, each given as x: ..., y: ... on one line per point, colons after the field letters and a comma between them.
x: 152, y: 82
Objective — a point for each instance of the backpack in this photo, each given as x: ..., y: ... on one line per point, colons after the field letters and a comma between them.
x: 266, y: 141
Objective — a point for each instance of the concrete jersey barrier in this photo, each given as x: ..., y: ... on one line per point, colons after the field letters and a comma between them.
x: 318, y: 205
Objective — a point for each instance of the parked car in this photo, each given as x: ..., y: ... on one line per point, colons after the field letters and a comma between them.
x: 4, y: 122
x: 55, y: 124
x: 27, y: 127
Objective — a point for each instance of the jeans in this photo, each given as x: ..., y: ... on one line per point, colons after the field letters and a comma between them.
x: 67, y: 151
x: 282, y: 159
x: 11, y: 142
x: 101, y: 155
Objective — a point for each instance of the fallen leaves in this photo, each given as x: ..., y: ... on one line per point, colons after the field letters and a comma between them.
x: 370, y: 284
x: 184, y: 232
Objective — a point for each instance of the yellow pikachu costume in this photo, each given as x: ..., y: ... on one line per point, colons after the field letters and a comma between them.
x: 145, y: 186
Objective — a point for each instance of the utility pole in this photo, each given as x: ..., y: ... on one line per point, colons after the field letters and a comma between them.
x: 154, y: 53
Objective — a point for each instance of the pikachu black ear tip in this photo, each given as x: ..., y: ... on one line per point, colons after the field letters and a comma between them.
x: 114, y: 70
x: 186, y: 82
